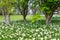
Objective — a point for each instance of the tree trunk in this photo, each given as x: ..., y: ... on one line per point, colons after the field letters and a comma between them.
x: 7, y: 18
x: 24, y: 17
x: 6, y: 15
x: 48, y: 18
x: 24, y: 13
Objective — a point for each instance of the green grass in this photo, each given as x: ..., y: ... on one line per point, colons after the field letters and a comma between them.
x: 16, y: 17
x: 1, y: 18
x: 26, y: 30
x: 20, y: 17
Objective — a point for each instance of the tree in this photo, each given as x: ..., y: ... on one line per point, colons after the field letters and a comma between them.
x: 5, y: 6
x: 48, y: 7
x: 22, y: 5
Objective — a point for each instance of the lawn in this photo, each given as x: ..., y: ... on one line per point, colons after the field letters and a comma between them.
x: 16, y: 17
x: 26, y: 30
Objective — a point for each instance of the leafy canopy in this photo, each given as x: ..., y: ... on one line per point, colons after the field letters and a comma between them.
x: 6, y: 4
x: 49, y: 6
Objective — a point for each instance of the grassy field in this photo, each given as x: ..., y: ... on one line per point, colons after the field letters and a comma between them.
x: 16, y: 17
x: 26, y: 30
x: 20, y: 17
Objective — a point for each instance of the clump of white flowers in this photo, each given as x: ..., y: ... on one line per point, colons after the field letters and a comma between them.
x: 29, y: 31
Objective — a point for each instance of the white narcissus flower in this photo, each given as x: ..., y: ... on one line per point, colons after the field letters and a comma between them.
x: 38, y: 35
x: 58, y: 39
x: 17, y: 33
x: 3, y: 27
x: 6, y: 27
x: 45, y: 32
x: 35, y: 34
x: 53, y: 39
x: 6, y: 37
x: 0, y: 33
x: 41, y: 33
x: 3, y: 36
x: 45, y: 37
x: 11, y: 28
x: 30, y: 36
x: 33, y: 38
x: 42, y: 29
x: 37, y: 30
x: 11, y: 36
x: 27, y: 29
x: 31, y: 31
x: 41, y: 38
x: 55, y: 29
x: 0, y: 37
x: 23, y: 34
x: 29, y: 39
x: 26, y: 39
x: 20, y: 38
x: 49, y: 36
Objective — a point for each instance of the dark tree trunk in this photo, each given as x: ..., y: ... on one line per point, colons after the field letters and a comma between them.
x: 25, y: 14
x: 23, y: 10
x: 24, y: 17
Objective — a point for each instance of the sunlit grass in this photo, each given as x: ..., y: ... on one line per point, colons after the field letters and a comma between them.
x: 20, y: 17
x: 16, y: 17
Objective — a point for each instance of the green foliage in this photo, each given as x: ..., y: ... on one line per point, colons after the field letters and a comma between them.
x: 35, y: 17
x: 6, y: 5
x: 34, y: 3
x: 52, y: 0
x: 28, y: 31
x: 44, y: 8
x: 49, y: 6
x: 21, y: 3
x: 22, y: 6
